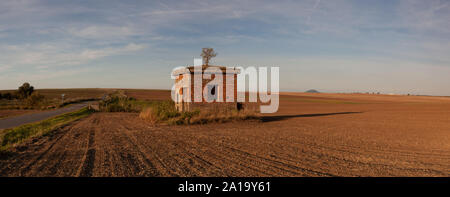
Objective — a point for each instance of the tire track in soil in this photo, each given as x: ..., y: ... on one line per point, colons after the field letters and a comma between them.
x: 151, y: 170
x: 32, y: 153
x: 263, y: 166
x: 282, y: 163
x: 179, y: 166
x: 64, y: 157
x: 119, y: 155
x: 27, y: 168
x: 221, y: 162
x: 112, y: 150
x: 326, y: 154
x: 156, y: 169
x: 342, y: 154
x: 218, y: 160
x: 222, y: 157
x: 290, y: 161
x: 89, y: 157
x: 271, y: 167
x: 179, y: 159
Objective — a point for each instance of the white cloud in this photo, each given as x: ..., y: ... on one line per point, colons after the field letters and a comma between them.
x: 425, y: 16
x: 49, y: 74
x: 52, y: 78
x: 104, y: 32
x: 52, y: 55
x: 75, y: 33
x: 91, y: 54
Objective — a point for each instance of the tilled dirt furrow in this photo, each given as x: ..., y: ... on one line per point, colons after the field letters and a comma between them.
x: 87, y: 164
x: 189, y: 151
x: 145, y: 166
x: 63, y: 158
x: 46, y: 154
x: 121, y: 144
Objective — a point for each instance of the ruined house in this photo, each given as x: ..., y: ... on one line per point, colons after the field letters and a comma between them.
x: 215, y: 92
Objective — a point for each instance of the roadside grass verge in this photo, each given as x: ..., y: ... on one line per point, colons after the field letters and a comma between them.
x: 10, y: 137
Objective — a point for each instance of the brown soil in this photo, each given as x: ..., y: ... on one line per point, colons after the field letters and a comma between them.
x: 142, y: 94
x: 311, y: 135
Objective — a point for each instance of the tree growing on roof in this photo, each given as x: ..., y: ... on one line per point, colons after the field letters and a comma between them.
x: 207, y: 54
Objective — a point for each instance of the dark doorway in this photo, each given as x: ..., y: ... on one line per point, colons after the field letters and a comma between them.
x: 239, y: 106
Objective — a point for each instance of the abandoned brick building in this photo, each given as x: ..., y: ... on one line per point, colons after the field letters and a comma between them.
x: 220, y: 93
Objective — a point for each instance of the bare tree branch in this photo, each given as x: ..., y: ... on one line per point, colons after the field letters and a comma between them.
x: 207, y: 54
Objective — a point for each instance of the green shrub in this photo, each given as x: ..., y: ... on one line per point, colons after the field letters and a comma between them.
x: 118, y: 103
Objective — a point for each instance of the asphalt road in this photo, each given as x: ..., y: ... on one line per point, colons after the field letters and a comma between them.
x: 35, y: 117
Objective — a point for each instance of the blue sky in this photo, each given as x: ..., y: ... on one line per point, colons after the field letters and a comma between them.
x: 336, y: 46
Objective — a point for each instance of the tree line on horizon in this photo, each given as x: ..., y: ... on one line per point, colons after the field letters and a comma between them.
x: 23, y: 92
x: 26, y: 95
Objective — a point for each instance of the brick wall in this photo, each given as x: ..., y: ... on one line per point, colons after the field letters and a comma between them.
x: 227, y: 88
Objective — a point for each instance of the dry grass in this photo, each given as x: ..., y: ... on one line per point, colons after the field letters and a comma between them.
x: 221, y: 116
x: 149, y: 115
x: 16, y: 135
x: 165, y: 114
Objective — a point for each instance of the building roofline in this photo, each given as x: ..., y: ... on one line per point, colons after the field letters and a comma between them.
x: 193, y: 69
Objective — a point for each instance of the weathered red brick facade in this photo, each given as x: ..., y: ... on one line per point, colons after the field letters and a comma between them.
x: 226, y: 91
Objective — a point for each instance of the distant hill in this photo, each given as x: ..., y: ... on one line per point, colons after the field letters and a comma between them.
x: 312, y: 91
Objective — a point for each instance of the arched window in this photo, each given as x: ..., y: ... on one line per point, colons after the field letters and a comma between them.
x: 213, y: 90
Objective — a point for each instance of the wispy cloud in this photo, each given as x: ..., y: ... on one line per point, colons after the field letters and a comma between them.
x: 104, y: 32
x: 53, y: 55
x: 40, y: 35
x: 51, y: 74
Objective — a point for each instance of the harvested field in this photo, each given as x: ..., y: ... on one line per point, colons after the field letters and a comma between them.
x: 311, y: 135
x: 70, y: 93
x: 75, y: 93
x: 142, y: 94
